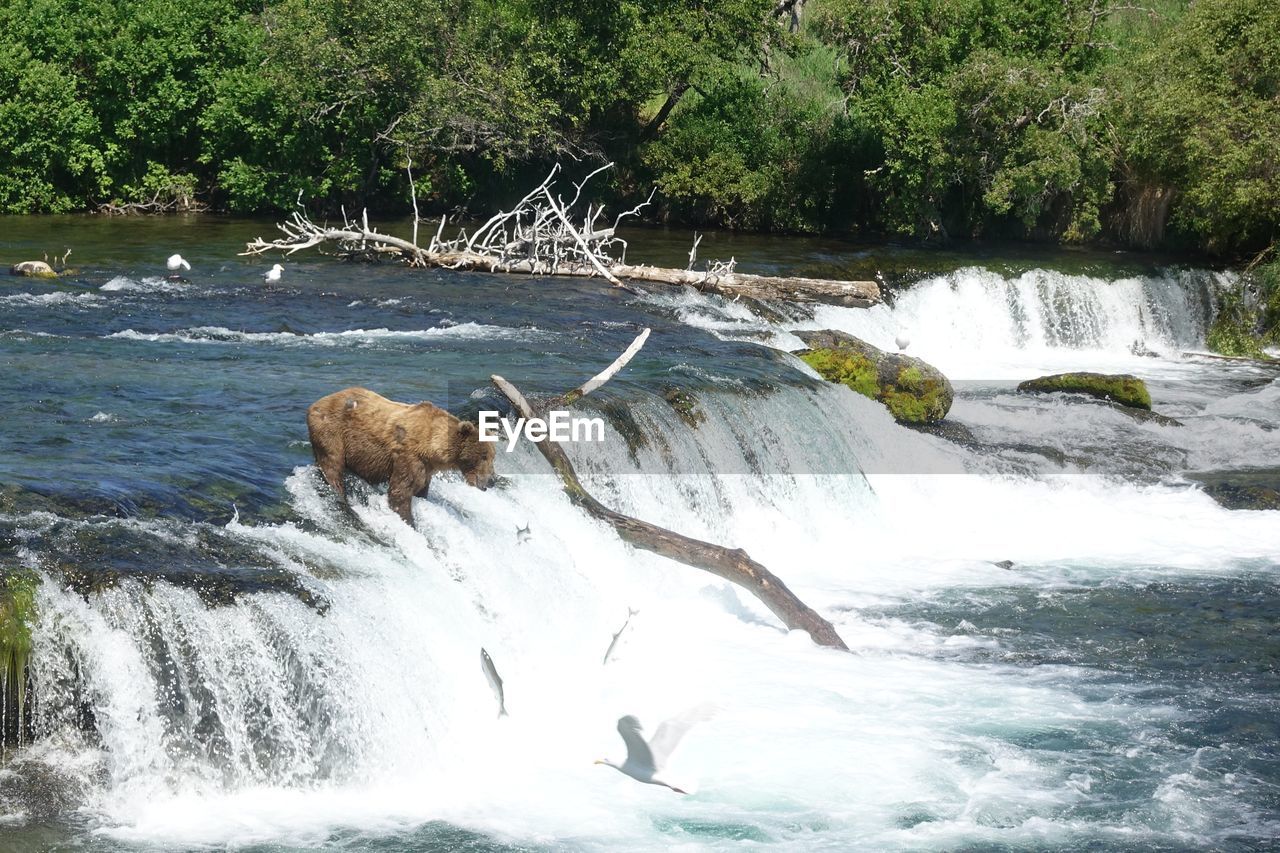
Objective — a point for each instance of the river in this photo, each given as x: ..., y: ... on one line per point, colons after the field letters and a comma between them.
x: 222, y: 659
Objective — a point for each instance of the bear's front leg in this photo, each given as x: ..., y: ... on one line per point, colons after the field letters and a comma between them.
x: 408, y: 477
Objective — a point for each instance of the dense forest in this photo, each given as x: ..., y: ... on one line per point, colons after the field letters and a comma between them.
x: 1073, y: 120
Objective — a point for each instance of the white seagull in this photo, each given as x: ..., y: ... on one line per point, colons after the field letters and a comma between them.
x: 647, y: 760
x: 902, y: 341
x: 177, y: 262
x: 273, y: 274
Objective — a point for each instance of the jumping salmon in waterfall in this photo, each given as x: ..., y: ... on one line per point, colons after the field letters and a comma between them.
x: 614, y: 641
x: 495, y: 681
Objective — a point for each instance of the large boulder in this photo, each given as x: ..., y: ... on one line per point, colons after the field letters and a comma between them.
x: 914, y: 391
x: 1116, y: 387
x: 34, y: 269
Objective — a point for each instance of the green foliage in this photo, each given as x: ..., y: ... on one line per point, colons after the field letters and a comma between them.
x: 986, y: 113
x: 749, y: 157
x: 1248, y: 314
x: 1048, y: 119
x: 48, y: 155
x: 1267, y: 281
x: 17, y: 613
x: 1201, y: 111
x: 1232, y: 334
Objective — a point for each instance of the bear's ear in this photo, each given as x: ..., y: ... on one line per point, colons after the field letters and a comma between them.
x: 466, y: 428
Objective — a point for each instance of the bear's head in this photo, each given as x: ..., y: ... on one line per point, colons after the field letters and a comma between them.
x: 475, y: 457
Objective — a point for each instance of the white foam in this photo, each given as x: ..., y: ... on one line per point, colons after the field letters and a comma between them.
x: 60, y: 297
x: 349, y: 337
x: 978, y: 324
x: 149, y: 284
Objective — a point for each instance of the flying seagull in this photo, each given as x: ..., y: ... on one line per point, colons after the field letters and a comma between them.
x: 647, y: 760
x: 177, y: 262
x: 902, y: 341
x: 273, y: 274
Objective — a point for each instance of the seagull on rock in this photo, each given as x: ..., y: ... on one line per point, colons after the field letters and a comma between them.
x: 177, y: 262
x: 902, y: 341
x: 646, y: 760
x: 273, y: 274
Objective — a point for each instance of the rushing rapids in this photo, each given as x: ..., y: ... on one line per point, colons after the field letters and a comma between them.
x: 222, y: 657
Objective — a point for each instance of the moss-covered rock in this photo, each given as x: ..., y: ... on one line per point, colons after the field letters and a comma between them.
x: 1117, y: 387
x: 914, y: 391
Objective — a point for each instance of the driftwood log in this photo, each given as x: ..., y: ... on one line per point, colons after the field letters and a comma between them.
x: 731, y: 564
x: 540, y: 236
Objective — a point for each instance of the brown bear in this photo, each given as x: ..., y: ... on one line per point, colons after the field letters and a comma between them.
x: 383, y: 441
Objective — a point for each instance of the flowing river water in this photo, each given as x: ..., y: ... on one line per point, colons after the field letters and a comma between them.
x: 222, y: 659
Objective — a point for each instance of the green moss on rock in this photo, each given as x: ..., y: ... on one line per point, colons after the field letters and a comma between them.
x: 853, y: 369
x: 1118, y: 388
x: 914, y: 391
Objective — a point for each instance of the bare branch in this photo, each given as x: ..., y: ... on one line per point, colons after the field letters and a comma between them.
x: 731, y: 564
x: 542, y: 235
x: 609, y: 372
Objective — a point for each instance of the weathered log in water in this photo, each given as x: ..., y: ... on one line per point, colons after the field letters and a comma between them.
x: 732, y: 564
x: 540, y: 237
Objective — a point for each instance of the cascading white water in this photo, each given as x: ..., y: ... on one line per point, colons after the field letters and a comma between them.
x: 976, y: 323
x: 269, y: 720
x: 977, y: 318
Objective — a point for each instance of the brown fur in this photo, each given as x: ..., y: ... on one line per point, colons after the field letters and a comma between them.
x: 384, y: 441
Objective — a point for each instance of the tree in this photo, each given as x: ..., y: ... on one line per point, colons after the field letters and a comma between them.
x: 1199, y: 113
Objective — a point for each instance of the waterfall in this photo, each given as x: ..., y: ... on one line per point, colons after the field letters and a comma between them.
x: 354, y: 698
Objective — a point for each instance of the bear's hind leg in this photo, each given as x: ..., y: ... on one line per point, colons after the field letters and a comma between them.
x: 326, y: 446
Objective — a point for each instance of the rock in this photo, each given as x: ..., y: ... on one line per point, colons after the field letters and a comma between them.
x: 953, y: 431
x: 1141, y: 350
x: 1256, y: 489
x: 34, y: 269
x: 1118, y: 388
x: 913, y: 390
x: 685, y: 405
x: 1004, y: 564
x: 1143, y: 416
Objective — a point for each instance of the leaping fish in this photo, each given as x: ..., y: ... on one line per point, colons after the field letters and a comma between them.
x: 495, y: 681
x: 614, y: 641
x: 523, y: 534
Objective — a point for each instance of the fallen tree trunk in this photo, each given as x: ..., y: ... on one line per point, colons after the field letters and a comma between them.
x: 854, y: 294
x: 540, y: 237
x: 731, y: 564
